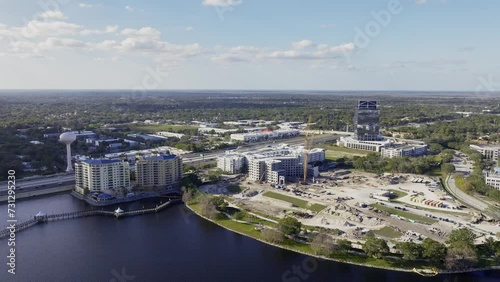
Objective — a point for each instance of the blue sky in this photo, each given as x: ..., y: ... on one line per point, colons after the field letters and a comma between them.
x: 250, y: 44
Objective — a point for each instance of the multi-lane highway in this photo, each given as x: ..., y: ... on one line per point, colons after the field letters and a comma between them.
x: 63, y: 179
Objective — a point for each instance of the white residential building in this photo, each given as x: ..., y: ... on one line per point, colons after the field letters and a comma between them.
x: 158, y: 171
x: 101, y: 175
x: 231, y: 163
x: 271, y: 163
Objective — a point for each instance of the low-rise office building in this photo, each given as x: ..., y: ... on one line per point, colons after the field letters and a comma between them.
x: 493, y: 178
x: 490, y: 152
x: 403, y: 151
x: 264, y: 135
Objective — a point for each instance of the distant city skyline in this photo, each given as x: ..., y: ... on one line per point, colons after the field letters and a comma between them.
x: 394, y: 45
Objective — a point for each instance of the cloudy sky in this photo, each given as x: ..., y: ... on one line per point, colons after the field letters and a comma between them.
x: 250, y: 44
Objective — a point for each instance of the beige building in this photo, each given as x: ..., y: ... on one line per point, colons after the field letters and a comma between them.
x: 159, y: 171
x: 101, y: 175
x: 488, y: 151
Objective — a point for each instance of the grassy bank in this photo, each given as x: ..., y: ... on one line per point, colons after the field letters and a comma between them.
x: 346, y: 257
x: 404, y: 214
x: 294, y: 201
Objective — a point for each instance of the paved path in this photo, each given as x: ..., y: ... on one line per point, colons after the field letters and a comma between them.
x: 464, y: 197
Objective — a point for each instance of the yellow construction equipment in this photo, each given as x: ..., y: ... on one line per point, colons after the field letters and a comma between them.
x: 307, y: 147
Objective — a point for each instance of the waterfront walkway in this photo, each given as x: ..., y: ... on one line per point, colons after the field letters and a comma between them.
x: 62, y: 216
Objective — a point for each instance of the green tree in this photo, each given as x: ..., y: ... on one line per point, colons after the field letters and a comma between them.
x: 410, y: 250
x: 219, y: 203
x: 447, y: 168
x: 461, y: 237
x: 375, y: 247
x: 289, y: 226
x: 433, y: 250
x: 491, y: 246
x: 344, y: 245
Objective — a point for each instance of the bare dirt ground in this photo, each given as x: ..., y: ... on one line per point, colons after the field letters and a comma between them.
x: 348, y: 195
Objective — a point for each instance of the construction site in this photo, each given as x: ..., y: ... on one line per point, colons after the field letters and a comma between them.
x: 353, y: 204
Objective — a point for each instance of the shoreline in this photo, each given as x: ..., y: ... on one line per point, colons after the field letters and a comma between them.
x: 440, y: 272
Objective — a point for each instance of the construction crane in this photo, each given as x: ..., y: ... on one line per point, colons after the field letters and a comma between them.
x: 307, y: 147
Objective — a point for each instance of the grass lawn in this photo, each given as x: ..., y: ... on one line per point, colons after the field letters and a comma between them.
x: 340, y: 152
x: 398, y: 193
x: 388, y: 232
x: 156, y: 128
x: 404, y: 214
x: 343, y: 256
x: 297, y: 202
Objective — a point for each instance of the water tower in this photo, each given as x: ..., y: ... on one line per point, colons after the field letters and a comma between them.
x: 68, y: 138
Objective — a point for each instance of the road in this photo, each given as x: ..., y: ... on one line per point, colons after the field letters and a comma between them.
x: 50, y: 181
x: 463, y: 166
x: 464, y: 197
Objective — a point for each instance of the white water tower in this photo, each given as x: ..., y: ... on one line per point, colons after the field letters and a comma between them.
x: 68, y: 138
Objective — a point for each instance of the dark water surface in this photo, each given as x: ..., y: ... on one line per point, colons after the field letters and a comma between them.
x: 173, y: 245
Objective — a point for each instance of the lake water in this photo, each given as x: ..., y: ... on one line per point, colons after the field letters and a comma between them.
x: 173, y: 245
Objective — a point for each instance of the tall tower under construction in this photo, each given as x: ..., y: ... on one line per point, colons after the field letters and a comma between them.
x: 366, y: 121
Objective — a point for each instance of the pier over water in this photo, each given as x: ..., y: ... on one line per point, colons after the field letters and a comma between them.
x: 44, y: 218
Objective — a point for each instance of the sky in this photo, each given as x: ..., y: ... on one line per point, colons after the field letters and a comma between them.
x: 141, y: 45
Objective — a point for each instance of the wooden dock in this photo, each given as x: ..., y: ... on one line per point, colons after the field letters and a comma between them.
x: 70, y: 215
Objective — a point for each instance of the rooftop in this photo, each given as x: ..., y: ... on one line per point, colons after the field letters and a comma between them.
x: 100, y: 162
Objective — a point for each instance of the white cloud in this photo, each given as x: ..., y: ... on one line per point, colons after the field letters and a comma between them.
x: 222, y: 3
x: 301, y: 50
x: 302, y: 44
x: 328, y: 26
x: 128, y: 8
x: 108, y: 29
x: 420, y: 1
x: 53, y: 15
x: 57, y: 43
x: 87, y: 5
x: 145, y: 32
x: 189, y: 28
x: 42, y: 29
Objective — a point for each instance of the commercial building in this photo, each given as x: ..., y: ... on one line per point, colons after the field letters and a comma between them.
x: 231, y: 163
x: 353, y: 143
x: 264, y: 135
x: 488, y: 151
x: 395, y: 151
x: 366, y: 121
x: 101, y: 175
x: 170, y: 134
x: 493, y: 178
x: 158, y: 171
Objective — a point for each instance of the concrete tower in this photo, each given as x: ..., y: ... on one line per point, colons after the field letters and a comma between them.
x: 68, y: 138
